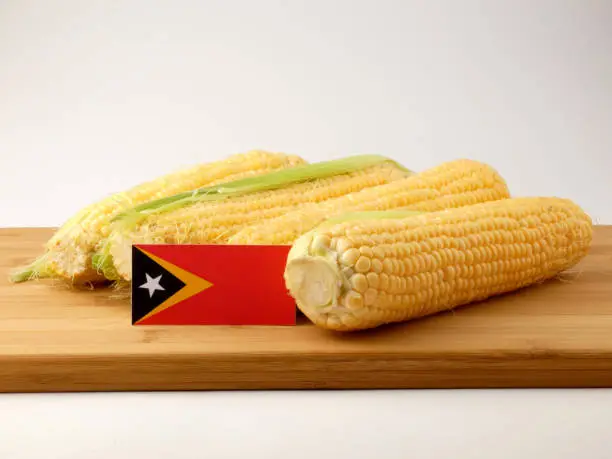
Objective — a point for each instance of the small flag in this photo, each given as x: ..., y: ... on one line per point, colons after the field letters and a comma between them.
x: 210, y: 285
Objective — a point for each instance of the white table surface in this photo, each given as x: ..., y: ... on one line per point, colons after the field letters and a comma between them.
x: 559, y: 424
x: 96, y: 96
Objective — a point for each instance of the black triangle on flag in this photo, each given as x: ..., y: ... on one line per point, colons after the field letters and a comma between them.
x: 152, y: 284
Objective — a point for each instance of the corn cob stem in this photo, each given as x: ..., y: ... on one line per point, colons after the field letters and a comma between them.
x: 37, y: 269
x: 380, y: 269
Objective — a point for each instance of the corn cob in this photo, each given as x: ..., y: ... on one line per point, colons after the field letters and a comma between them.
x: 452, y: 184
x: 216, y: 214
x: 68, y: 253
x: 368, y: 270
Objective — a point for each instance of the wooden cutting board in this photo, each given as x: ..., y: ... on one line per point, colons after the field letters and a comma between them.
x: 558, y: 334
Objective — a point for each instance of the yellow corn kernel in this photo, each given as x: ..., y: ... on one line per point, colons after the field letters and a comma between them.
x: 68, y: 253
x: 452, y: 184
x: 436, y: 261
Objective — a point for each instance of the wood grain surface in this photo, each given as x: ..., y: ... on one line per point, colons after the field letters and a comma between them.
x: 53, y: 338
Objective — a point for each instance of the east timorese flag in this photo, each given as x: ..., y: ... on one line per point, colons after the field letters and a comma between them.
x: 210, y: 285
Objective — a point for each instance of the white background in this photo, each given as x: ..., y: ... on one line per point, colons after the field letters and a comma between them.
x: 96, y: 96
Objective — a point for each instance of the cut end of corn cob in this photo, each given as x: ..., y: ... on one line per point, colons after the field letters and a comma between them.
x: 363, y: 273
x: 215, y: 214
x: 314, y: 275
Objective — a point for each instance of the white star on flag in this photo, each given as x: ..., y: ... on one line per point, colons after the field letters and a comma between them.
x: 152, y: 284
